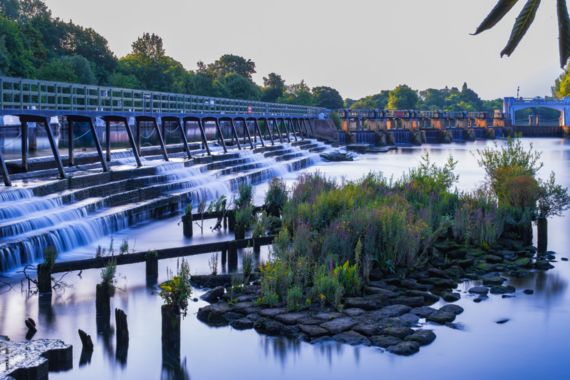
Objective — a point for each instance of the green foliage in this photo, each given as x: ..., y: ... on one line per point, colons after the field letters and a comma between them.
x: 108, y: 273
x: 430, y: 177
x: 336, y: 120
x: 326, y: 287
x: 276, y: 196
x: 50, y: 256
x: 124, y: 247
x: 553, y: 199
x: 294, y: 297
x: 151, y: 253
x: 403, y: 98
x: 245, y: 195
x: 247, y: 264
x: 244, y: 216
x: 327, y: 97
x: 261, y: 225
x: 213, y: 263
x: 218, y: 205
x: 237, y: 282
x: 348, y: 278
x: 176, y: 291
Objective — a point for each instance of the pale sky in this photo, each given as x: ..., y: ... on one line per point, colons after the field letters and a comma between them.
x: 358, y: 47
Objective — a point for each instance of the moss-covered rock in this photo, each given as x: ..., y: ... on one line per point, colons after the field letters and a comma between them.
x: 523, y: 262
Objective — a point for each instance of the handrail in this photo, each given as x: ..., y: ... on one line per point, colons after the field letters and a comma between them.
x: 16, y: 93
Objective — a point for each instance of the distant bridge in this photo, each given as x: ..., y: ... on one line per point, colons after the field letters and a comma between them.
x: 34, y: 101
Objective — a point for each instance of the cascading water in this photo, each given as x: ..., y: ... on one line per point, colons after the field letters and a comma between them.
x: 30, y: 224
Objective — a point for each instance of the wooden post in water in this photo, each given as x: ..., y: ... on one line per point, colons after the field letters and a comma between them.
x: 170, y: 323
x: 542, y: 238
x: 108, y: 139
x: 232, y: 255
x: 121, y: 326
x: 24, y: 145
x: 44, y: 278
x: 231, y: 219
x: 151, y: 264
x: 70, y: 137
x: 103, y: 300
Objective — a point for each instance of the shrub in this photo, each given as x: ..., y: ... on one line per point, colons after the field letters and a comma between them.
x: 247, y: 261
x: 261, y: 225
x: 294, y: 297
x: 348, y: 278
x: 213, y: 264
x: 276, y: 196
x: 50, y: 255
x: 275, y: 279
x: 244, y: 216
x: 553, y: 199
x: 124, y: 247
x: 177, y: 290
x: 151, y: 253
x: 108, y: 273
x: 326, y: 287
x: 237, y: 282
x: 336, y: 120
x: 245, y: 195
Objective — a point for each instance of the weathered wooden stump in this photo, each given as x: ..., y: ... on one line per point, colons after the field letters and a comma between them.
x: 151, y: 264
x: 103, y: 300
x: 44, y: 278
x: 224, y: 256
x: 256, y: 246
x: 170, y: 323
x: 187, y: 225
x: 239, y: 232
x: 121, y: 326
x: 85, y: 341
x: 542, y: 227
x: 232, y: 255
x: 231, y: 219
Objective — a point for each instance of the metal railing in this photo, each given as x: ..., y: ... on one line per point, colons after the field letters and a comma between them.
x: 22, y: 94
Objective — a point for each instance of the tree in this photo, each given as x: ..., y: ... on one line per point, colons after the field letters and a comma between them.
x: 148, y: 47
x: 403, y: 98
x: 229, y: 63
x: 433, y: 97
x: 327, y: 97
x: 348, y: 102
x: 523, y: 23
x: 273, y: 81
x: 10, y: 9
x: 239, y: 87
x: 125, y: 81
x: 17, y: 56
x: 274, y: 86
x: 58, y: 70
x: 297, y: 94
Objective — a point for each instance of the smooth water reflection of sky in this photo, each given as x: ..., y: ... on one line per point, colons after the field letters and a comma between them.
x: 533, y: 344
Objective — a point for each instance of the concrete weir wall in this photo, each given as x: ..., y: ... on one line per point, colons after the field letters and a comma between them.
x: 325, y: 129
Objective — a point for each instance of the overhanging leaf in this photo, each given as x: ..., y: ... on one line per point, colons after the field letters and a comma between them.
x: 564, y: 32
x: 523, y: 22
x: 500, y: 10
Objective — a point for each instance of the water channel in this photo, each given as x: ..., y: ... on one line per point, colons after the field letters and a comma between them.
x: 534, y: 342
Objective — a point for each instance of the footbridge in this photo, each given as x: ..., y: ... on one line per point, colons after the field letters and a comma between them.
x: 34, y: 101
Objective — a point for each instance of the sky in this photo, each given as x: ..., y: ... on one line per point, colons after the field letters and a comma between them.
x: 358, y: 47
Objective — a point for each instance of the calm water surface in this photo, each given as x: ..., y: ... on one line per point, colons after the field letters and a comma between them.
x: 534, y: 343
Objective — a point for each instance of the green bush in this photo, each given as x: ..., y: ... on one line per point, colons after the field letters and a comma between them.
x: 50, y: 255
x: 176, y: 291
x: 276, y: 196
x: 336, y: 120
x: 348, y: 278
x: 244, y: 217
x: 294, y: 297
x: 245, y: 195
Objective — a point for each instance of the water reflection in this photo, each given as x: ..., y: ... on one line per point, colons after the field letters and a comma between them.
x: 172, y: 367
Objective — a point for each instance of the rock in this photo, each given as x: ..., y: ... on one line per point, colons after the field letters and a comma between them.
x: 408, y: 301
x: 487, y: 267
x: 360, y: 303
x: 502, y: 289
x: 272, y: 313
x: 353, y: 338
x: 313, y: 331
x: 437, y: 273
x: 528, y: 291
x: 502, y: 321
x: 294, y: 332
x: 441, y: 317
x: 455, y: 309
x: 422, y: 337
x: 354, y: 312
x: 404, y: 348
x: 384, y: 292
x: 392, y: 322
x: 384, y: 341
x: 440, y: 282
x: 269, y: 327
x: 466, y: 263
x: 310, y: 321
x: 564, y: 259
x: 336, y: 326
x: 290, y: 318
x: 213, y: 314
x: 399, y: 332
x: 323, y: 340
x: 213, y: 295
x: 376, y: 275
x: 543, y: 264
x: 480, y: 298
x: 455, y: 326
x: 493, y: 259
x: 231, y: 316
x: 479, y: 290
x: 455, y: 272
x: 253, y: 317
x: 523, y: 262
x: 422, y: 312
x: 428, y: 297
x: 379, y: 300
x: 393, y: 311
x: 246, y: 308
x: 493, y: 281
x: 242, y: 324
x: 378, y: 284
x: 368, y: 329
x: 412, y: 285
x: 324, y: 317
x: 450, y: 297
x: 508, y: 296
x: 446, y: 246
x: 410, y: 318
x: 418, y: 274
x: 458, y: 254
x: 393, y: 281
x: 518, y: 273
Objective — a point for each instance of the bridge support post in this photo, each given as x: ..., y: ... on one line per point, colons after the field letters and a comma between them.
x: 246, y: 131
x: 296, y: 122
x: 259, y: 132
x: 221, y: 135
x: 204, y: 140
x: 311, y: 126
x: 24, y: 145
x: 70, y: 137
x: 54, y: 147
x: 234, y: 133
x: 160, y: 140
x: 132, y: 141
x: 290, y: 123
x: 97, y: 145
x: 276, y: 126
x: 182, y: 131
x: 108, y: 139
x: 138, y: 135
x: 4, y: 171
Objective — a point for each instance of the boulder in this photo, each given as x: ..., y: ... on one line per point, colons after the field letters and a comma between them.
x: 455, y: 309
x: 543, y: 264
x: 378, y: 284
x: 523, y: 262
x: 441, y: 317
x: 455, y: 272
x: 294, y: 332
x: 408, y: 301
x: 410, y: 318
x: 423, y: 312
x: 384, y: 341
x: 384, y: 292
x: 213, y: 295
x: 487, y: 267
x: 290, y: 318
x: 269, y: 327
x: 422, y: 337
x: 493, y: 259
x: 213, y: 314
x: 313, y: 331
x: 354, y: 312
x: 404, y: 348
x: 376, y: 275
x: 440, y: 282
x: 399, y: 332
x: 245, y: 308
x: 479, y: 290
x: 412, y: 285
x: 242, y: 324
x: 466, y: 263
x: 353, y: 338
x: 502, y: 289
x: 428, y: 297
x: 450, y: 297
x: 458, y: 254
x: 360, y: 303
x: 368, y: 329
x: 253, y: 316
x: 393, y: 311
x: 336, y: 326
x: 493, y: 281
x: 528, y: 291
x: 434, y: 272
x: 324, y: 317
x: 272, y: 313
x: 310, y: 321
x: 231, y: 316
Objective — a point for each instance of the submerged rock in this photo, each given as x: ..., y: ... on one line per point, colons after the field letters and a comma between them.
x: 213, y: 295
x: 313, y: 331
x: 353, y: 338
x: 441, y: 317
x: 502, y: 289
x: 490, y: 281
x: 242, y: 324
x: 455, y: 309
x: 423, y: 312
x: 404, y: 348
x: 450, y: 297
x: 422, y: 337
x: 269, y: 327
x: 399, y: 332
x: 479, y: 290
x: 528, y: 291
x: 384, y: 341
